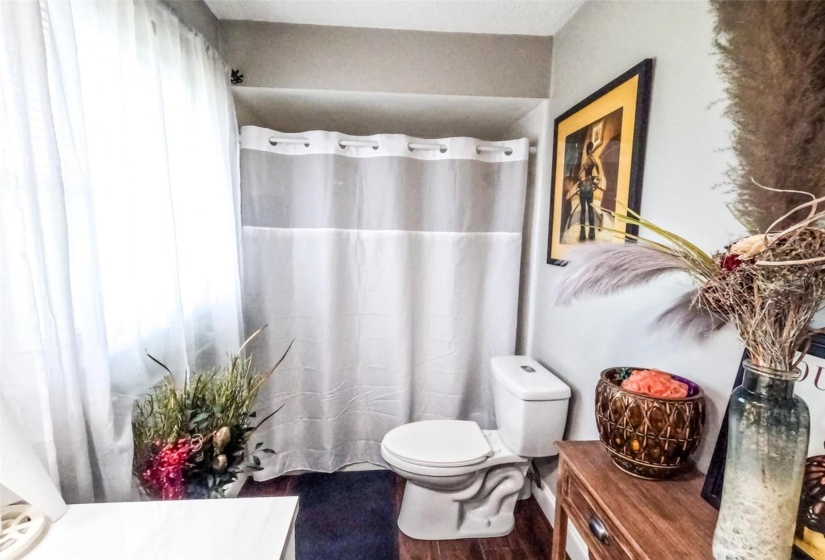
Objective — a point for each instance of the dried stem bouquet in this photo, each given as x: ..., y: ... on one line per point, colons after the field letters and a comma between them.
x: 768, y: 285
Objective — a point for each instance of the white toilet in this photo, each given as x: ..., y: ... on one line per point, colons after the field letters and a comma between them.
x: 462, y: 481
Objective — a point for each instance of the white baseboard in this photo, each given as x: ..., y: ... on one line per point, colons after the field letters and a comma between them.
x: 576, y: 547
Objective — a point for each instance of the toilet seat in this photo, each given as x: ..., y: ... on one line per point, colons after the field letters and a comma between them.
x: 498, y: 453
x: 438, y: 443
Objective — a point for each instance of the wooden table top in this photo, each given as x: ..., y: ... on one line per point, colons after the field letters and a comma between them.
x: 666, y: 519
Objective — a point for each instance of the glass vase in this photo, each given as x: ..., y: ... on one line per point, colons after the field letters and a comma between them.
x: 768, y: 429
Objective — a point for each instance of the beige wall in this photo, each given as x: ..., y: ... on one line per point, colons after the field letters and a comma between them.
x: 688, y: 151
x: 530, y: 126
x: 381, y: 60
x: 197, y: 15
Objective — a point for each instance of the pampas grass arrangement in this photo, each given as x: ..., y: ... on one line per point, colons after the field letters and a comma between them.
x: 769, y: 284
x: 773, y: 60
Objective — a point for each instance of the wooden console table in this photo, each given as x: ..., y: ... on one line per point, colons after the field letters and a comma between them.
x: 622, y: 517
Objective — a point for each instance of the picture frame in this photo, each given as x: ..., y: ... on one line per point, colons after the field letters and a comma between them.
x: 598, y: 133
x: 598, y: 162
x: 811, y: 387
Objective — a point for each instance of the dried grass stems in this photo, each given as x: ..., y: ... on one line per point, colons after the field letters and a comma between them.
x: 773, y: 59
x: 771, y: 306
x: 769, y: 286
x: 228, y: 391
x: 207, y: 401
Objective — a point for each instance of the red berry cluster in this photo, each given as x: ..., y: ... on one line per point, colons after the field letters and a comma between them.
x: 164, y: 473
x: 730, y: 262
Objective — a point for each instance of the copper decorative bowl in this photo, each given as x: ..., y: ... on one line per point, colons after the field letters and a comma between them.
x: 648, y: 437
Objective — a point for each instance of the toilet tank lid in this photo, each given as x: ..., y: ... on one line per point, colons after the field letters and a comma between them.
x: 528, y: 380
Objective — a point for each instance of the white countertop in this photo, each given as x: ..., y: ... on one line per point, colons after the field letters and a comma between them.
x: 220, y: 529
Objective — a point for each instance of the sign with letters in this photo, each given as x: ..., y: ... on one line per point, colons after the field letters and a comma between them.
x: 810, y: 531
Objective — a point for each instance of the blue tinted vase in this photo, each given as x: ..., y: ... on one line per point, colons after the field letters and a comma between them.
x: 768, y: 434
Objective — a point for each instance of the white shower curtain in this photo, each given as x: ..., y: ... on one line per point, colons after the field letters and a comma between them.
x: 118, y: 155
x: 396, y: 271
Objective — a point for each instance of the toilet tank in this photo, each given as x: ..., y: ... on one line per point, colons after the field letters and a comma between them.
x: 530, y: 405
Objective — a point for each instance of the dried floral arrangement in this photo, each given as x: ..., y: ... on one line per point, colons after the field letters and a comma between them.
x: 192, y: 441
x: 770, y: 283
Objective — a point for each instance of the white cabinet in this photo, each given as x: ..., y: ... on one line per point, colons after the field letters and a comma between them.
x: 261, y: 528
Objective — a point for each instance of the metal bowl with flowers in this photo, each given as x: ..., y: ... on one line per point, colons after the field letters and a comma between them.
x: 650, y: 421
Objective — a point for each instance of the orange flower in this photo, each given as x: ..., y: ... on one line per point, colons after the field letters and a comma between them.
x: 656, y: 384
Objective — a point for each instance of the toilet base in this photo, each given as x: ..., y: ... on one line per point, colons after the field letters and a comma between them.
x: 481, y: 509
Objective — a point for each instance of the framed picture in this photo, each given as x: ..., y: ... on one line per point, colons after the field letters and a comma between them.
x: 810, y: 533
x: 599, y: 148
x: 598, y: 132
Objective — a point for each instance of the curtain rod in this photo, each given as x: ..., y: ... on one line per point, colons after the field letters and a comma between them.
x: 275, y: 140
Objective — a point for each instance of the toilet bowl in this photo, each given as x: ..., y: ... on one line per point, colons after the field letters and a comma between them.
x: 462, y: 481
x: 470, y: 490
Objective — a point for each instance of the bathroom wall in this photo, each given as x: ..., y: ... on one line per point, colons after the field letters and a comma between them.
x: 386, y: 60
x: 531, y: 126
x: 197, y: 15
x: 363, y: 81
x: 687, y: 155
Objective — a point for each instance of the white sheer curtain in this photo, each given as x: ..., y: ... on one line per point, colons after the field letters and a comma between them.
x: 118, y: 177
x: 395, y: 270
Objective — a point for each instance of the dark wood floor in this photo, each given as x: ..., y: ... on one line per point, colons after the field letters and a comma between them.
x: 530, y: 539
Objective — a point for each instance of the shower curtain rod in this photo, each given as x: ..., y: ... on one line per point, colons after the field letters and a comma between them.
x: 275, y: 140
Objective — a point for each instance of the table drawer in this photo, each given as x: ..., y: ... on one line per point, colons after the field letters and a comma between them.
x: 603, y: 539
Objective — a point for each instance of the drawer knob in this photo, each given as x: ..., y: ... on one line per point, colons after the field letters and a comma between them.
x: 598, y: 529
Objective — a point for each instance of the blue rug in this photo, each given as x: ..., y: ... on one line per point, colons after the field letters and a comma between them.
x: 346, y: 516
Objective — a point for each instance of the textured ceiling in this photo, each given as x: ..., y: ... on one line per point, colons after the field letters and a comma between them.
x: 510, y: 17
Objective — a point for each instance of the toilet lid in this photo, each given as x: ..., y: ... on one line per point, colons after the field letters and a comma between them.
x: 439, y: 443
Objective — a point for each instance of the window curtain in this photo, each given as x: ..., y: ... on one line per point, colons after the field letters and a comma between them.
x: 118, y: 181
x: 396, y: 272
